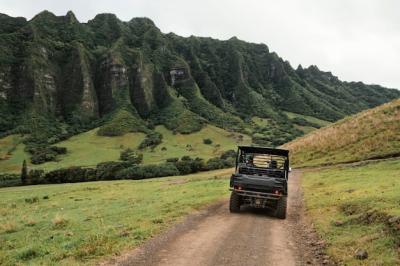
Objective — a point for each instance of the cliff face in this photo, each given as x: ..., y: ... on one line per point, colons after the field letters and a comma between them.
x: 57, y: 67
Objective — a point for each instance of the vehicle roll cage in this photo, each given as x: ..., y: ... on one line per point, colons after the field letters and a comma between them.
x: 243, y: 150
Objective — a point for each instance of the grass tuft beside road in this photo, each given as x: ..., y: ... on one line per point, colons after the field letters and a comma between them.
x: 351, y: 207
x: 69, y: 224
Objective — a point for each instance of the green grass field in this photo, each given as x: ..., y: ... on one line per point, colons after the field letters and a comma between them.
x: 311, y: 119
x: 262, y: 122
x: 89, y: 149
x: 177, y: 145
x: 362, y: 198
x: 69, y: 224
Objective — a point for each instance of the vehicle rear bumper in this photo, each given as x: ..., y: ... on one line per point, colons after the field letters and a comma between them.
x: 255, y: 194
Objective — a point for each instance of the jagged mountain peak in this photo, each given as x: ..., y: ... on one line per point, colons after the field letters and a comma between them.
x: 143, y: 21
x: 105, y: 18
x: 45, y: 14
x: 70, y: 16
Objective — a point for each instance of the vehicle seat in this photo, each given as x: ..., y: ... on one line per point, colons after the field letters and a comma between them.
x: 273, y: 164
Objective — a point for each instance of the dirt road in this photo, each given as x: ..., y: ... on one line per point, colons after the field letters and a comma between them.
x: 217, y: 237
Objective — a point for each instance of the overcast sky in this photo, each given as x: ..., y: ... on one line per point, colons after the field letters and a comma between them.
x: 357, y: 40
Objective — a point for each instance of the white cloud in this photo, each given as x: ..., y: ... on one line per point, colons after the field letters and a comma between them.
x: 358, y: 40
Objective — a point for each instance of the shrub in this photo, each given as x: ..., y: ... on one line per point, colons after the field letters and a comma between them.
x: 109, y: 170
x: 207, y: 141
x: 172, y: 160
x: 66, y: 175
x: 90, y: 174
x: 42, y: 154
x: 10, y: 180
x: 35, y: 177
x: 152, y: 140
x: 148, y: 171
x: 184, y: 167
x: 228, y: 154
x: 58, y: 150
x: 186, y: 158
x: 32, y: 200
x: 28, y: 254
x: 187, y: 165
x: 215, y: 163
x: 219, y: 163
x: 131, y: 156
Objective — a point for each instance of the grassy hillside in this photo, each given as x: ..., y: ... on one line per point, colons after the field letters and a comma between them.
x: 351, y: 208
x: 310, y: 119
x: 12, y: 153
x: 306, y: 123
x: 89, y: 149
x: 72, y: 224
x: 178, y: 145
x: 374, y: 133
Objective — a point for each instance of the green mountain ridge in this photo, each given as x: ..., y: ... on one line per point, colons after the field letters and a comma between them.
x: 59, y: 77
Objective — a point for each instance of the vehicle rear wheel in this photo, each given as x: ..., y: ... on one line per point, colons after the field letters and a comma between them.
x: 281, y: 208
x: 235, y: 202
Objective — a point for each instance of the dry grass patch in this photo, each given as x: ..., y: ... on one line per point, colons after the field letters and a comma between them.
x: 96, y: 245
x: 59, y: 220
x: 374, y: 133
x: 9, y: 227
x: 30, y: 223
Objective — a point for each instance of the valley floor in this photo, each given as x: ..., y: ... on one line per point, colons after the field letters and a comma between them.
x: 89, y: 149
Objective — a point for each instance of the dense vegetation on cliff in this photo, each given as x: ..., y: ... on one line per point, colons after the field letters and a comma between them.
x: 59, y: 77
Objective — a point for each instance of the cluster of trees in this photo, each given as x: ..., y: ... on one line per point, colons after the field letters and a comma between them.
x: 9, y: 180
x: 128, y: 168
x: 41, y: 153
x: 152, y: 139
x: 129, y: 155
x: 276, y: 134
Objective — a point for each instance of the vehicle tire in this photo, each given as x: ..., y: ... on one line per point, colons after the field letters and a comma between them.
x: 281, y: 207
x: 235, y: 202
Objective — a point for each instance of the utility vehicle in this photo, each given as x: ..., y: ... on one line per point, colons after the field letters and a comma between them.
x: 260, y: 179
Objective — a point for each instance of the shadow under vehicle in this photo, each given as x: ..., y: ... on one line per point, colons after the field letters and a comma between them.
x: 260, y: 179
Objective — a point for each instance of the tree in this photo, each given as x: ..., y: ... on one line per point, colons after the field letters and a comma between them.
x: 24, y: 172
x: 129, y: 155
x: 207, y: 141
